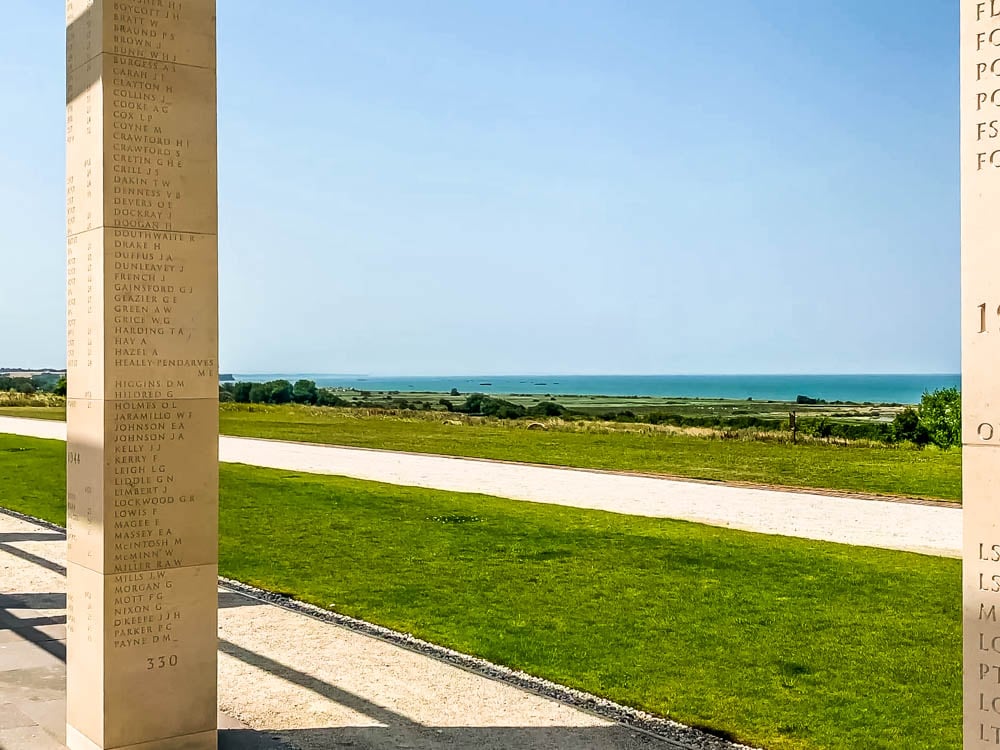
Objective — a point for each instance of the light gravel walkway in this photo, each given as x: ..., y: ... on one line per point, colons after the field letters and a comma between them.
x: 931, y: 529
x: 309, y: 684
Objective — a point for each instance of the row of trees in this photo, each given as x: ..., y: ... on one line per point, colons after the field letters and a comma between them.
x: 479, y: 404
x: 280, y: 392
x: 307, y: 392
x: 49, y: 382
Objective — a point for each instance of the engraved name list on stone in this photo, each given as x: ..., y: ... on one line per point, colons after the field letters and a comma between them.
x: 980, y: 169
x: 142, y: 362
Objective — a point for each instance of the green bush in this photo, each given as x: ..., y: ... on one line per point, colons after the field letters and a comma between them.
x: 304, y: 392
x: 941, y: 416
x: 487, y: 406
x: 271, y: 392
x: 326, y: 397
x: 547, y: 409
x: 241, y: 392
x: 808, y: 400
x: 907, y: 427
x: 826, y: 428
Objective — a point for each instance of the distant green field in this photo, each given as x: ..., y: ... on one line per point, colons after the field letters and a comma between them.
x: 689, y: 407
x: 34, y: 412
x: 910, y: 472
x: 781, y: 643
x: 896, y: 470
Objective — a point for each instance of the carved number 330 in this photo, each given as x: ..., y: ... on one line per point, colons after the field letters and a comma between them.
x: 160, y: 662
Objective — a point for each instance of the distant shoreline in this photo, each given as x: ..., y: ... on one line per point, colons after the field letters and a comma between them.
x: 853, y: 389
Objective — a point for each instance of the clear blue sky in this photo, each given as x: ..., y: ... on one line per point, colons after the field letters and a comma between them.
x: 548, y: 187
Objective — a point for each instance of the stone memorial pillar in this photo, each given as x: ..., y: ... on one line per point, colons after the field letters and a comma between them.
x: 142, y: 416
x: 980, y: 167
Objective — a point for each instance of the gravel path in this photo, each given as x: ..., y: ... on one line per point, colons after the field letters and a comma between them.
x: 311, y: 684
x: 930, y: 529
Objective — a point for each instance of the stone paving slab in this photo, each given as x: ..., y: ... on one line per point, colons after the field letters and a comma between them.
x: 929, y: 529
x: 287, y: 680
x: 33, y: 644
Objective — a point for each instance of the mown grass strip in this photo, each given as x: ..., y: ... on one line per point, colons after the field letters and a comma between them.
x: 901, y: 471
x: 57, y: 413
x: 783, y: 643
x: 908, y: 472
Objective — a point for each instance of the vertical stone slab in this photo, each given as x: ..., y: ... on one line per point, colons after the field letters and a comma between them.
x: 980, y: 167
x: 142, y: 350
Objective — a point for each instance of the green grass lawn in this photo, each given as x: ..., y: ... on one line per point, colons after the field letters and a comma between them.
x: 909, y: 472
x: 928, y: 473
x: 34, y: 412
x: 783, y: 643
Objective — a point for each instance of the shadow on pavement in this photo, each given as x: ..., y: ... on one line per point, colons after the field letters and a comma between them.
x: 6, y: 541
x: 394, y: 730
x: 399, y: 731
x: 417, y: 737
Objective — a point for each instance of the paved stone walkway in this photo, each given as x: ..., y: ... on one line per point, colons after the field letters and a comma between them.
x: 930, y: 529
x: 286, y: 680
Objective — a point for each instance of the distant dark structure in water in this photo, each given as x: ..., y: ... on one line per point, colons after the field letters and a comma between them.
x: 226, y: 377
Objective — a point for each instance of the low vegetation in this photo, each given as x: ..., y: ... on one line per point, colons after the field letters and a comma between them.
x: 34, y: 403
x: 781, y: 643
x: 936, y: 420
x: 47, y: 382
x: 32, y: 391
x: 715, y: 455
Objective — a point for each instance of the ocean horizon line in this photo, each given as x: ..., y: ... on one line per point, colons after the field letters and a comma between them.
x: 599, y: 374
x: 902, y: 388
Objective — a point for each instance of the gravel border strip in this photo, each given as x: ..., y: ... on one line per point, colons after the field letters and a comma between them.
x: 675, y: 734
x: 741, y: 484
x: 670, y: 732
x: 822, y: 491
x: 31, y: 519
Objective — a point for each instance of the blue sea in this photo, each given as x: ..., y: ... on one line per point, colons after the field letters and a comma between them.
x: 903, y: 389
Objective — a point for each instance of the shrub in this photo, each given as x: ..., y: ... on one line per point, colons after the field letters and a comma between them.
x: 547, y: 409
x: 941, y: 416
x: 826, y: 428
x: 326, y: 397
x: 241, y: 392
x: 259, y: 393
x: 271, y: 392
x: 281, y: 391
x: 907, y: 426
x: 488, y: 406
x: 304, y: 392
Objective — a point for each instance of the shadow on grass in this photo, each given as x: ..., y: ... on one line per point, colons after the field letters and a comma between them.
x: 389, y: 728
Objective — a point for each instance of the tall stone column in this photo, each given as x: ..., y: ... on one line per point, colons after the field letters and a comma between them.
x: 142, y: 417
x: 980, y: 168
